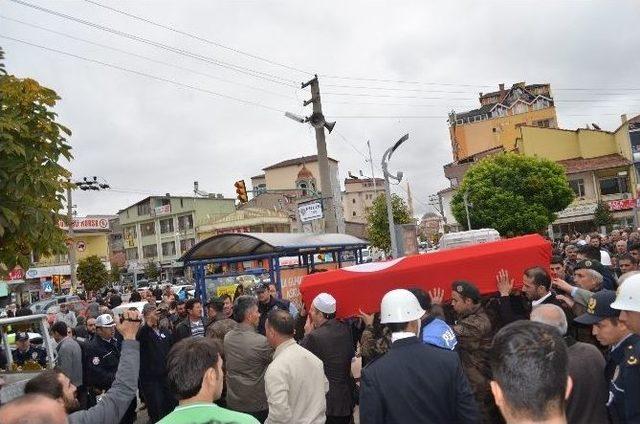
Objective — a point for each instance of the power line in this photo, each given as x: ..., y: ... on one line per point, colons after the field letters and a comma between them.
x: 418, y: 90
x: 241, y: 69
x: 391, y: 96
x: 428, y: 83
x: 366, y: 158
x: 199, y: 38
x: 143, y: 57
x: 154, y: 77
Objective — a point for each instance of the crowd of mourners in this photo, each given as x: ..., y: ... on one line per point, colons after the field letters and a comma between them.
x: 558, y: 343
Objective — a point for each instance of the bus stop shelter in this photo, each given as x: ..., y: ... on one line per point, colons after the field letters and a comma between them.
x: 270, y: 247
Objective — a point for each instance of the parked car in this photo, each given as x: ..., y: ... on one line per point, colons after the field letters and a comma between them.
x: 43, y: 305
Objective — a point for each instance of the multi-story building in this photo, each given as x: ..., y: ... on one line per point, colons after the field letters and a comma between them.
x: 358, y: 197
x: 162, y: 228
x: 494, y: 124
x: 91, y: 237
x: 117, y: 256
x: 286, y: 184
x: 599, y: 166
x: 634, y: 138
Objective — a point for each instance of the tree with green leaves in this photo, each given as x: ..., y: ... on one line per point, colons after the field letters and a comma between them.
x: 92, y: 273
x: 151, y: 270
x: 602, y: 216
x: 513, y: 194
x: 378, y: 224
x: 32, y: 181
x: 115, y: 273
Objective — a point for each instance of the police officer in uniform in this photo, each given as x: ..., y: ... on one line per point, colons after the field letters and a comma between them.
x: 622, y: 377
x: 26, y: 352
x: 625, y: 385
x: 102, y: 356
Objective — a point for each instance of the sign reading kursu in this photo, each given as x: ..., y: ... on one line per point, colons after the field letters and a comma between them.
x: 86, y: 223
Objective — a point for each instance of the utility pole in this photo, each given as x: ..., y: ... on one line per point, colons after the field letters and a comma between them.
x: 435, y: 200
x: 398, y: 177
x: 86, y: 184
x: 318, y: 122
x: 373, y: 175
x: 72, y: 243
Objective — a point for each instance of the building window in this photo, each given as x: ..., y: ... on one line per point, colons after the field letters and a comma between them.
x: 169, y: 248
x: 354, y: 213
x: 545, y: 123
x: 166, y: 226
x: 353, y: 200
x: 150, y: 251
x: 132, y: 254
x: 186, y: 244
x: 181, y: 202
x: 144, y: 209
x: 578, y: 187
x: 147, y: 228
x: 129, y: 233
x: 185, y: 222
x: 613, y: 185
x: 454, y: 182
x: 260, y: 189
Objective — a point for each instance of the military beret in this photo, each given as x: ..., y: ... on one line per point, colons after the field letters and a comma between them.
x: 590, y: 264
x: 466, y: 289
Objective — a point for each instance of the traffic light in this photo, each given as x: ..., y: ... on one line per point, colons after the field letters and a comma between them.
x: 241, y: 191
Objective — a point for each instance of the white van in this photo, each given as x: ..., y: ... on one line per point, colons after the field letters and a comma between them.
x: 465, y: 238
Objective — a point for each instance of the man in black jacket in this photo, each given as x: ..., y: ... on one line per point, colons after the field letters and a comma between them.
x: 413, y: 382
x: 155, y: 344
x: 194, y: 325
x: 266, y: 302
x: 332, y: 342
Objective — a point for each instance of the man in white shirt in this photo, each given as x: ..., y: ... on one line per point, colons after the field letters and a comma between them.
x: 67, y: 316
x: 295, y: 382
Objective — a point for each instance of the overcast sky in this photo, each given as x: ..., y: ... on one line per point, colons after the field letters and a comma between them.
x: 147, y: 136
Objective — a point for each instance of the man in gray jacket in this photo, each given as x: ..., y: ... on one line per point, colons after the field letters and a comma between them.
x: 115, y: 402
x: 69, y: 353
x: 247, y: 356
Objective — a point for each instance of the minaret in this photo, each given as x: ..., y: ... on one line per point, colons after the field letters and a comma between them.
x: 409, y: 200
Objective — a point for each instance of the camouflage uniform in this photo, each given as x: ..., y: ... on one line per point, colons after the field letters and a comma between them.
x: 371, y: 346
x: 474, y: 333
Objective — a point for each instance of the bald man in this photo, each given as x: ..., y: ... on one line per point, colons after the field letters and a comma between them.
x: 588, y: 399
x: 38, y: 409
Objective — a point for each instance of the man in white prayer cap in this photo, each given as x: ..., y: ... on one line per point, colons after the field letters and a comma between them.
x: 331, y: 341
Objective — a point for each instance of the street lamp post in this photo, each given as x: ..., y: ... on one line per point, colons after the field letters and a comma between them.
x: 465, y: 197
x: 387, y: 190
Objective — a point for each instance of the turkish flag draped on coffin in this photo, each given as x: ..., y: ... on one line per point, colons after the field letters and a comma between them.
x: 362, y: 286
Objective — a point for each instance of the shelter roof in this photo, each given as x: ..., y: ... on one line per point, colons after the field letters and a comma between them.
x: 285, y: 244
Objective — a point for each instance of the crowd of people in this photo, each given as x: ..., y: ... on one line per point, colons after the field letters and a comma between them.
x: 562, y: 346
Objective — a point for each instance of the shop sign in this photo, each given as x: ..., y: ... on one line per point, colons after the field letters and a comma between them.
x: 310, y: 211
x: 577, y: 210
x: 16, y: 273
x: 620, y: 205
x: 81, y: 245
x: 162, y: 210
x: 235, y: 230
x: 85, y: 223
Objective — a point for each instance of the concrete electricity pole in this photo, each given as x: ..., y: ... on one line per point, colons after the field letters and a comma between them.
x: 85, y: 184
x: 398, y: 177
x: 71, y: 244
x: 465, y: 197
x: 318, y: 122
